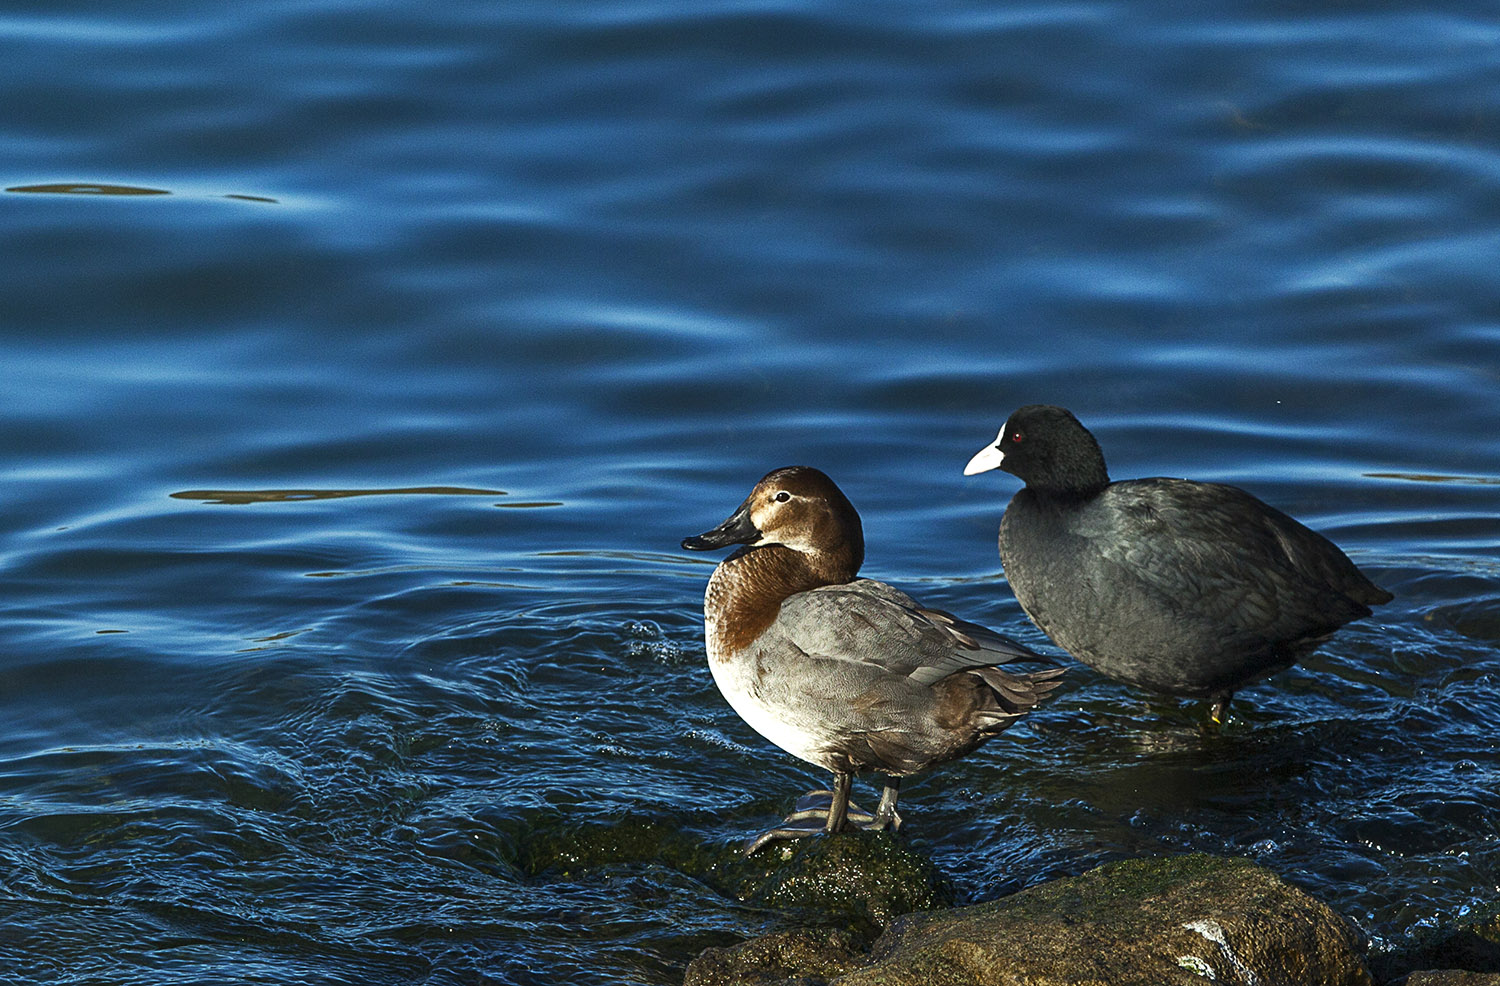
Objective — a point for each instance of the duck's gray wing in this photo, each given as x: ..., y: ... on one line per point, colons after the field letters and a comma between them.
x: 877, y: 626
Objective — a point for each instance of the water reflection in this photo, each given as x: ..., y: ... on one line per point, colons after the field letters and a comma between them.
x: 1251, y: 244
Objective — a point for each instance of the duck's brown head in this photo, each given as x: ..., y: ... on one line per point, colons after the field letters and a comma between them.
x: 798, y: 508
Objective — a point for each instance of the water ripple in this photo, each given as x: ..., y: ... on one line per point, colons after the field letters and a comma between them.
x: 617, y: 260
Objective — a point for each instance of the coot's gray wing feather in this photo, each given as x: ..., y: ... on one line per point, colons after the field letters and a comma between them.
x: 874, y: 625
x: 1219, y: 553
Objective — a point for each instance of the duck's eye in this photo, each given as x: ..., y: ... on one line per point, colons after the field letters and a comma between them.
x: 782, y: 496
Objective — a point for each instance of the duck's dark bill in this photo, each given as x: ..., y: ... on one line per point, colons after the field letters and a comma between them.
x: 738, y: 529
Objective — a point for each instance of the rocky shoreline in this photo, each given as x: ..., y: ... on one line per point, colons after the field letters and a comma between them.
x: 1188, y: 920
x: 861, y: 909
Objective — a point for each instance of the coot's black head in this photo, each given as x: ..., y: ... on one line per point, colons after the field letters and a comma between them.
x: 1047, y: 448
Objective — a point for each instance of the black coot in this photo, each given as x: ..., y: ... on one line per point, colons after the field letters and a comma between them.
x: 1184, y: 588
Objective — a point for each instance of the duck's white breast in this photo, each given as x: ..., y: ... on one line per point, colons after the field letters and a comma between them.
x: 741, y: 680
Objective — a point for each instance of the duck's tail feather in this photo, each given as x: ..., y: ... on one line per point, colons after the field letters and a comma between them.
x: 1015, y: 694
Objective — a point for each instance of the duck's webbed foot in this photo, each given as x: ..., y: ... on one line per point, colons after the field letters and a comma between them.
x: 810, y: 817
x: 813, y: 810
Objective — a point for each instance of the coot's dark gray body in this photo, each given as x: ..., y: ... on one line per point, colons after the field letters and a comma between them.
x: 1185, y: 588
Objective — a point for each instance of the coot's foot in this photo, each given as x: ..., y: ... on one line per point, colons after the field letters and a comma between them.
x: 1218, y: 711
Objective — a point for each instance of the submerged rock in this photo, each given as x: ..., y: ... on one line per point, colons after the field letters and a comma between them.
x: 559, y: 845
x: 1187, y: 920
x: 1451, y: 977
x: 1471, y: 943
x: 855, y: 881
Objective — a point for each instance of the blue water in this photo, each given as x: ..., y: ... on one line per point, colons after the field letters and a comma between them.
x: 550, y: 286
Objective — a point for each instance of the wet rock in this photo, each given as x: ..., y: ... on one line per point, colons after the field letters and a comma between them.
x: 1451, y: 977
x: 1186, y: 920
x: 1478, y: 619
x: 1471, y: 944
x: 858, y: 880
x: 804, y: 956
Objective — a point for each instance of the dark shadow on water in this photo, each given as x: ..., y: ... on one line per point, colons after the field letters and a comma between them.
x: 94, y: 188
x: 1426, y: 478
x: 83, y: 188
x: 281, y: 496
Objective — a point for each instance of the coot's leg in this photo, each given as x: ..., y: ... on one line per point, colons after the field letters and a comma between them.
x: 1219, y: 710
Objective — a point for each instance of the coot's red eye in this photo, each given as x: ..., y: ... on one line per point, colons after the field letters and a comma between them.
x: 1015, y: 438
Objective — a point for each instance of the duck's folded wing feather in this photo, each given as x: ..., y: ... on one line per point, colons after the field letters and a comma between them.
x: 876, y: 626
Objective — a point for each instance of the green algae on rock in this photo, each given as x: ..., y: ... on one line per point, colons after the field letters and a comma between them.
x: 565, y: 847
x: 1149, y: 922
x: 855, y: 881
x: 1471, y: 944
x: 860, y: 880
x: 1183, y: 919
x: 1451, y: 977
x: 795, y: 955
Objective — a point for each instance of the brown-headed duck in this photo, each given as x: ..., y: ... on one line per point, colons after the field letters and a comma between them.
x: 1178, y: 587
x: 846, y: 673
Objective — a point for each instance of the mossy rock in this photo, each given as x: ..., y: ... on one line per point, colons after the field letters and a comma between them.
x: 859, y: 880
x: 1179, y: 921
x: 1152, y: 922
x: 805, y: 956
x: 1451, y: 977
x: 1470, y: 943
x: 856, y: 881
x: 571, y: 848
